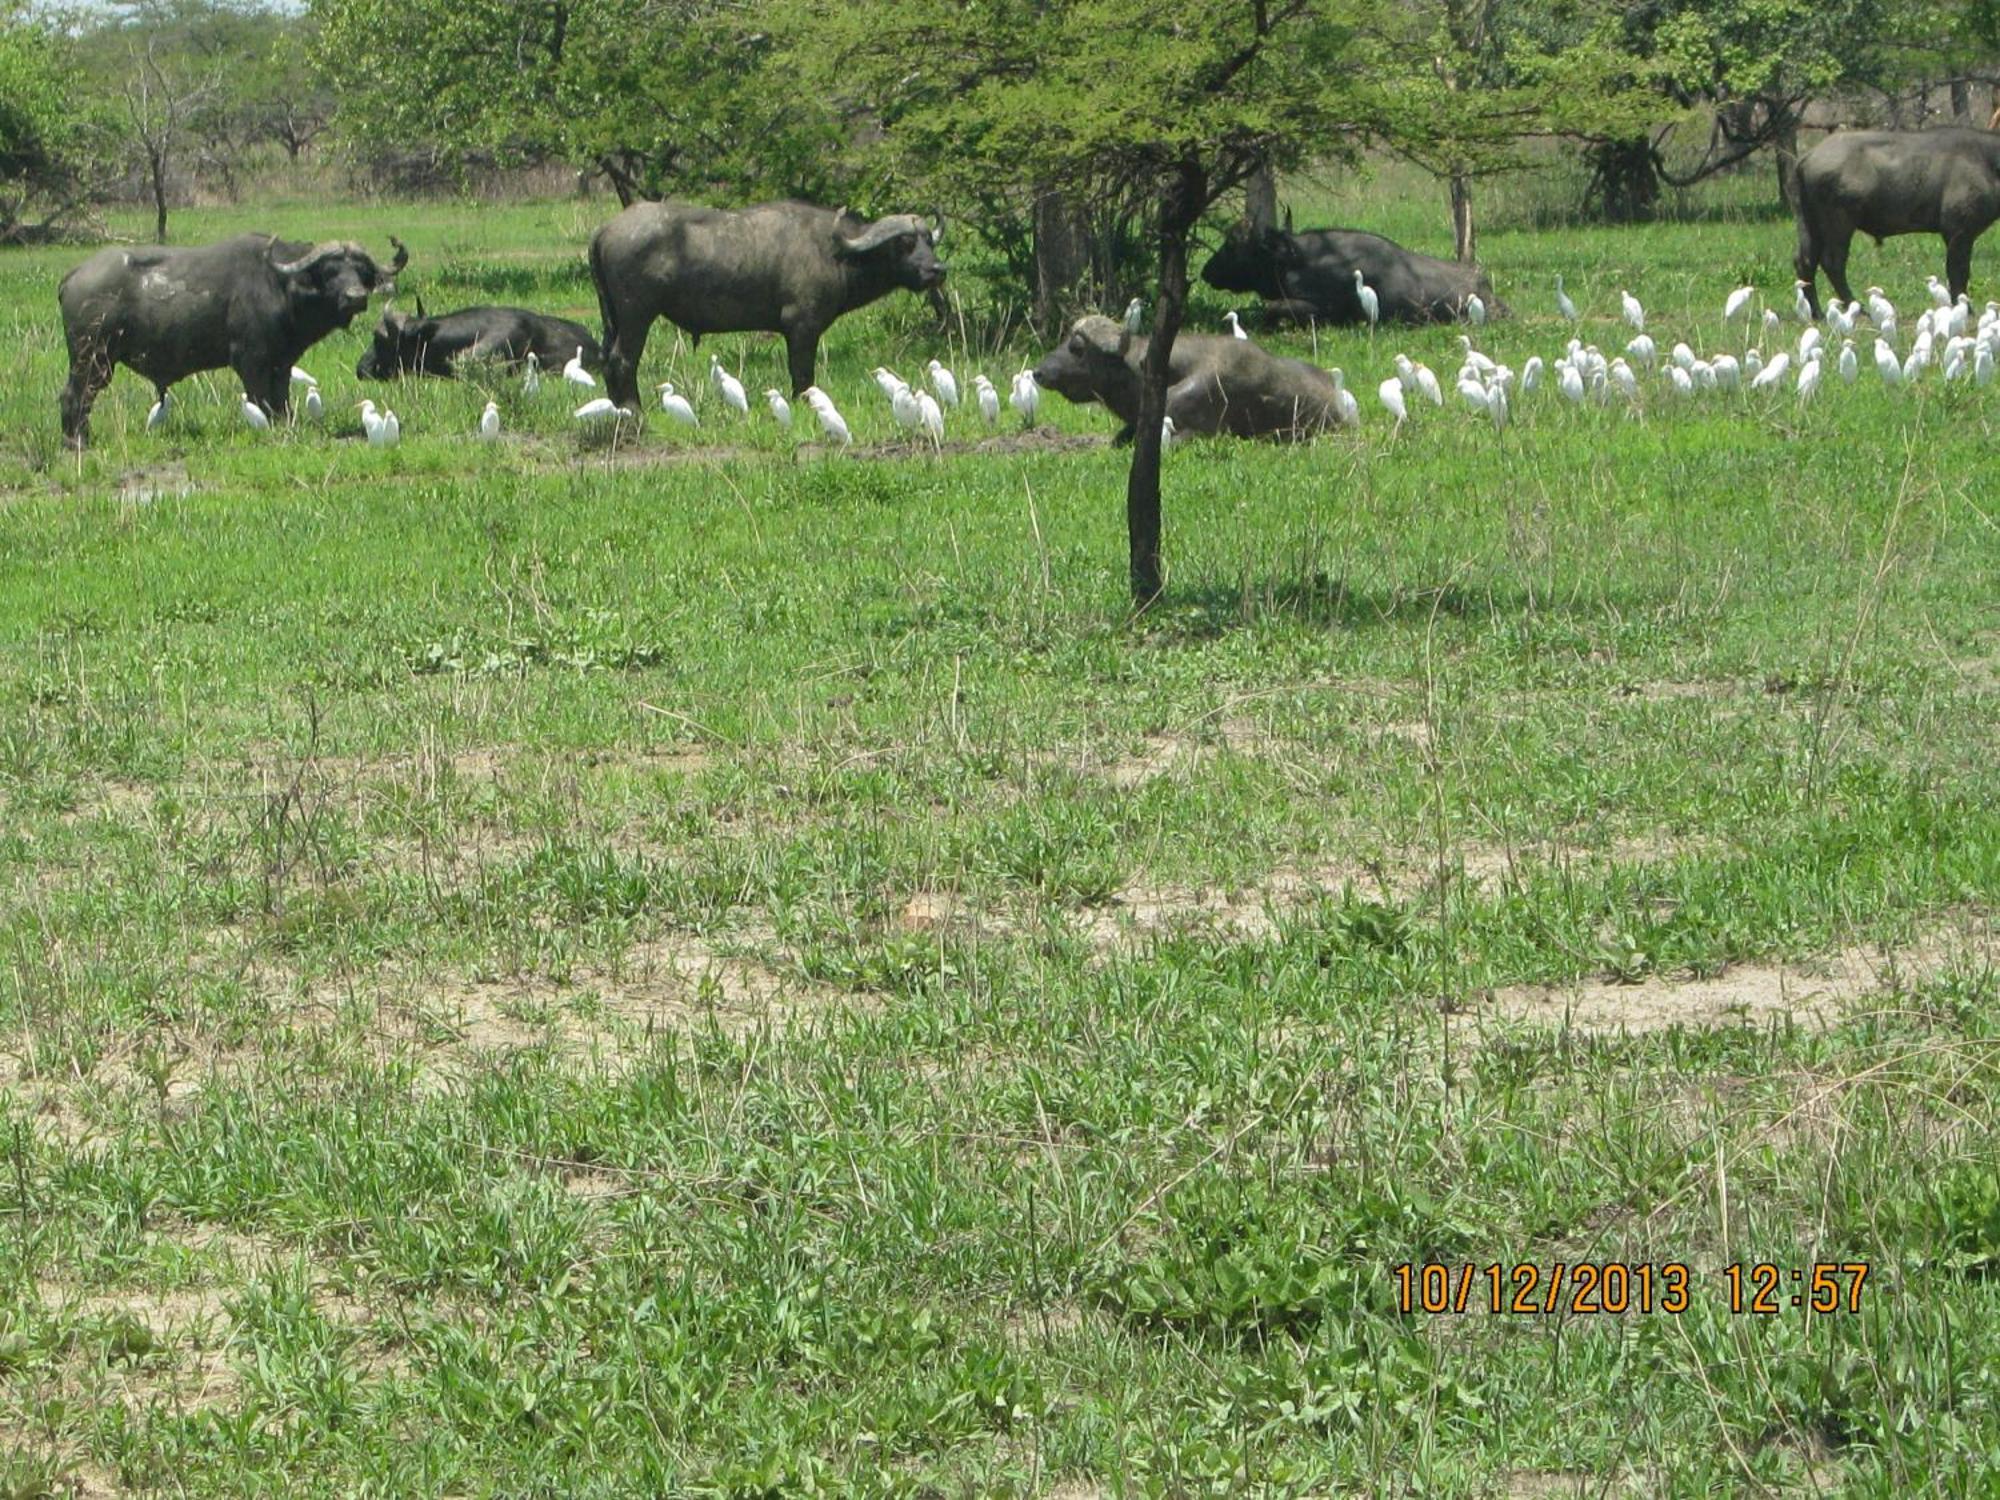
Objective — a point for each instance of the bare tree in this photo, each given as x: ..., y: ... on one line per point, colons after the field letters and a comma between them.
x: 159, y: 109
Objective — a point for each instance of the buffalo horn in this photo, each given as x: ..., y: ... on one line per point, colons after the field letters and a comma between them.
x: 881, y: 232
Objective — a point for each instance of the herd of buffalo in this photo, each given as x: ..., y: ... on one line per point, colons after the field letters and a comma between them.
x: 254, y: 304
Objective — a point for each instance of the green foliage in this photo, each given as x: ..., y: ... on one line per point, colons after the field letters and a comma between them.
x: 658, y: 97
x: 50, y: 131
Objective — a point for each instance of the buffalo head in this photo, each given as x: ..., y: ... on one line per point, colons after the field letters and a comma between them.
x: 1090, y: 362
x: 338, y: 275
x: 1251, y: 260
x: 400, y: 341
x: 901, y: 246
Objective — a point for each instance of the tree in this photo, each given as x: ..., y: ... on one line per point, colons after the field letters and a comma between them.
x: 51, y: 134
x: 656, y: 95
x: 161, y: 103
x: 1174, y: 102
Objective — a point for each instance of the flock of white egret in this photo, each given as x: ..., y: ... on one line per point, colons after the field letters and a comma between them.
x: 1946, y: 335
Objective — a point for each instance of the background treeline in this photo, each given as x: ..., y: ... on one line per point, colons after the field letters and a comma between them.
x: 1046, y: 126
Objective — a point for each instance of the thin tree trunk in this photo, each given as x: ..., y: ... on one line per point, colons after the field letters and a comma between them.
x: 1180, y: 207
x: 157, y: 162
x: 1260, y: 199
x: 1062, y: 256
x: 1464, y: 238
x: 1785, y: 147
x: 1961, y: 101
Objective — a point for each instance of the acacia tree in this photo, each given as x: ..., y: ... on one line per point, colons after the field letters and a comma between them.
x: 1176, y: 101
x: 50, y: 135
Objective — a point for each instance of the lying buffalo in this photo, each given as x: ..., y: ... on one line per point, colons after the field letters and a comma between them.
x: 253, y: 303
x: 423, y: 345
x: 785, y: 268
x: 1888, y: 182
x: 1216, y: 384
x: 1309, y: 276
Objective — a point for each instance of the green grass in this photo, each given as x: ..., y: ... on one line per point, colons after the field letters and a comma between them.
x: 548, y: 970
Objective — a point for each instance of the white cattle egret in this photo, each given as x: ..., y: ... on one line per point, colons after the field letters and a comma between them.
x: 780, y: 407
x: 1371, y: 305
x: 1531, y: 374
x: 888, y: 381
x: 1563, y: 304
x: 1570, y: 380
x: 1624, y: 379
x: 1235, y: 325
x: 390, y: 432
x: 299, y: 377
x: 1771, y: 321
x: 158, y: 412
x: 1887, y: 365
x: 728, y: 387
x: 371, y: 421
x: 674, y: 405
x: 1809, y: 374
x: 1940, y: 293
x: 1850, y: 362
x: 531, y: 383
x: 1702, y: 373
x: 1982, y: 364
x: 930, y: 417
x: 313, y: 407
x: 1809, y: 341
x: 1634, y: 313
x: 1683, y: 381
x: 1135, y: 312
x: 576, y: 374
x: 1496, y: 404
x: 595, y: 410
x: 1887, y: 328
x: 904, y: 406
x: 1728, y: 373
x: 1391, y: 392
x: 1026, y: 396
x: 1344, y: 402
x: 1773, y: 372
x: 489, y: 421
x: 830, y: 420
x: 1880, y: 309
x: 1166, y: 433
x: 1801, y: 302
x: 1472, y: 392
x: 989, y: 399
x: 1738, y: 300
x: 1475, y: 310
x: 1406, y: 371
x: 1427, y: 383
x: 1753, y: 363
x: 1643, y: 351
x: 944, y: 383
x: 1839, y: 319
x: 1954, y: 365
x: 254, y: 415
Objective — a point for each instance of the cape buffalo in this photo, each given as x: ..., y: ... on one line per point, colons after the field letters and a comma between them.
x: 253, y: 303
x: 1217, y: 384
x: 787, y: 268
x: 1888, y: 182
x: 423, y: 345
x: 1309, y: 276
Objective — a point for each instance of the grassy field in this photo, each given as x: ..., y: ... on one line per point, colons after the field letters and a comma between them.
x: 561, y: 969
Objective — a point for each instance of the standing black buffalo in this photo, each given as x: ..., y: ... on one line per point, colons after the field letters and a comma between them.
x: 787, y: 268
x: 253, y: 303
x: 1309, y: 276
x: 423, y: 345
x: 1216, y: 384
x: 1888, y: 182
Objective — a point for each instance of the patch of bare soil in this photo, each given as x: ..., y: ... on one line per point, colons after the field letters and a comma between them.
x: 949, y: 912
x: 1184, y: 752
x: 143, y: 486
x: 1255, y: 911
x: 1815, y: 995
x: 630, y: 452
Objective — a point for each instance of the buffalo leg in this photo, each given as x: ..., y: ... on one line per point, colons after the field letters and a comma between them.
x: 623, y: 348
x: 89, y: 373
x: 1958, y: 263
x: 269, y: 388
x: 801, y: 353
x: 1806, y: 262
x: 1833, y: 255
